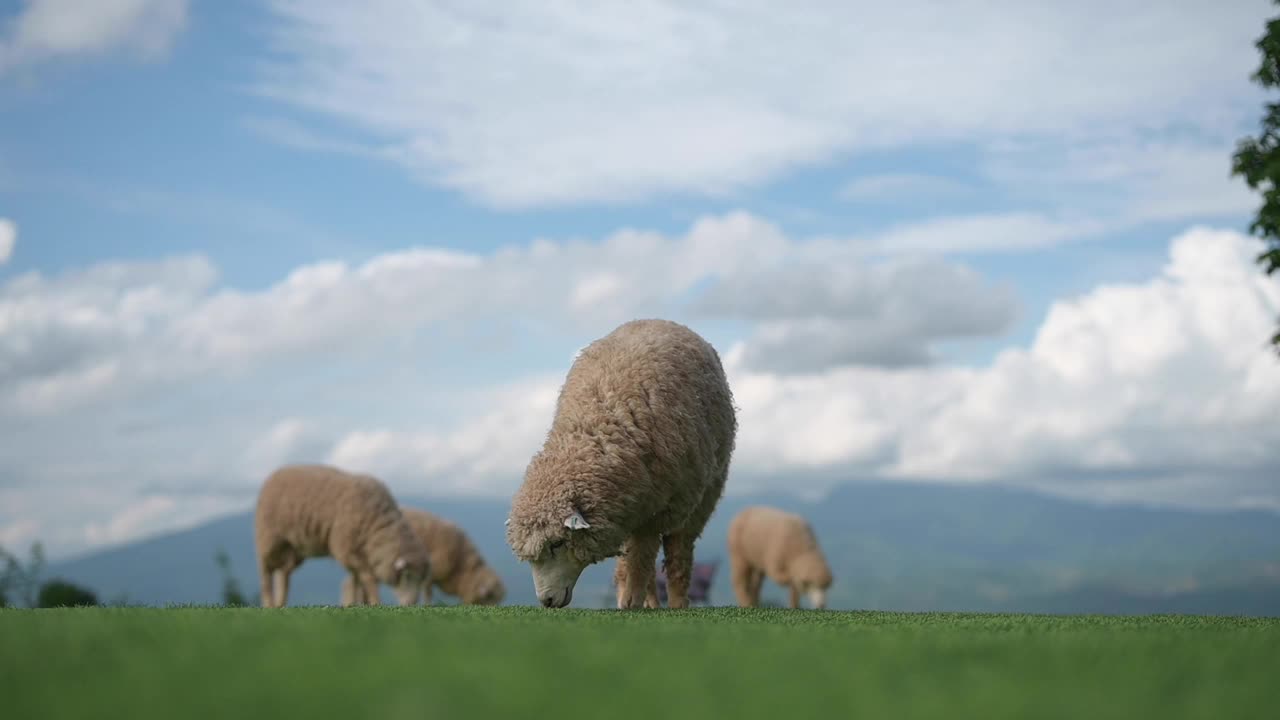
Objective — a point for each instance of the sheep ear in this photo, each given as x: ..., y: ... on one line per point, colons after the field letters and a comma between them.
x: 399, y: 564
x: 576, y: 522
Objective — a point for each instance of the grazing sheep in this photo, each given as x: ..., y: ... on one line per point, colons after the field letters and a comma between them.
x: 636, y: 458
x: 766, y: 541
x: 457, y: 567
x: 307, y: 511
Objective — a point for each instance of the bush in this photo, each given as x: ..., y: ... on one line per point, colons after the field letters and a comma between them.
x: 62, y: 593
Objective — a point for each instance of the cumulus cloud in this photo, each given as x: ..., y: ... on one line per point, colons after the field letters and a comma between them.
x: 1172, y: 373
x: 289, y: 440
x: 72, y: 336
x: 1158, y: 391
x: 810, y: 317
x: 98, y: 333
x: 48, y: 29
x: 540, y: 104
x: 8, y: 239
x: 488, y: 447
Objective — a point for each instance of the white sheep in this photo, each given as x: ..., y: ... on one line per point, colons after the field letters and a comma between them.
x: 457, y: 567
x: 307, y: 511
x: 768, y: 542
x: 637, y: 457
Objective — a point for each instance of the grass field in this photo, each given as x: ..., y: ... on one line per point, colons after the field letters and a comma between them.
x: 462, y: 662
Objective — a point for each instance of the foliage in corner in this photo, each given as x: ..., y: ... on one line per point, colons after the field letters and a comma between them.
x: 1257, y: 159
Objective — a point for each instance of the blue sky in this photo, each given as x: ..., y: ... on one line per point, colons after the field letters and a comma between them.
x: 257, y: 231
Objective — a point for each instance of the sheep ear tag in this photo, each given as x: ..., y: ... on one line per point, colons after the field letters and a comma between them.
x: 399, y: 564
x: 508, y: 522
x: 576, y: 522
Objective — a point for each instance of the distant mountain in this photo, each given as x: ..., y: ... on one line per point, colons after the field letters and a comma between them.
x: 892, y: 546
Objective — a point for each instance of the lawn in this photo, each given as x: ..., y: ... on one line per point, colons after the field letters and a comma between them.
x: 462, y: 662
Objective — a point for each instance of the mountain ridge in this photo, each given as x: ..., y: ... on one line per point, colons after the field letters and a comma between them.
x: 892, y: 546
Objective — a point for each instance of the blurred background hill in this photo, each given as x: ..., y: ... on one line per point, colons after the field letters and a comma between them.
x: 913, y: 547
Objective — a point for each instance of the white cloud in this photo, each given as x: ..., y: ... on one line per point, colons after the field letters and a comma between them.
x: 69, y: 337
x: 1155, y: 390
x: 1172, y: 373
x: 101, y: 332
x: 1129, y: 180
x: 289, y: 440
x: 177, y: 387
x: 1159, y: 391
x: 815, y: 315
x: 8, y: 239
x: 48, y: 29
x: 542, y: 104
x: 484, y: 451
x: 1016, y: 231
x: 126, y: 523
x: 71, y: 518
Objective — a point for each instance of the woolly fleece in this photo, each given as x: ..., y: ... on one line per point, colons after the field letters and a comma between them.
x: 768, y: 542
x: 457, y: 567
x: 636, y: 458
x: 307, y: 511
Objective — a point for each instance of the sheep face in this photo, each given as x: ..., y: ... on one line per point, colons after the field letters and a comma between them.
x: 811, y: 574
x: 556, y: 555
x: 407, y: 578
x: 555, y: 575
x: 486, y: 589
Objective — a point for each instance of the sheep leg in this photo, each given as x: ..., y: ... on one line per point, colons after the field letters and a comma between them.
x: 274, y: 558
x: 289, y: 561
x: 426, y: 591
x: 795, y: 596
x: 635, y: 570
x: 757, y: 584
x: 741, y: 575
x: 651, y: 597
x: 677, y: 551
x: 281, y: 586
x: 369, y: 586
x: 265, y: 589
x: 620, y: 579
x: 352, y: 592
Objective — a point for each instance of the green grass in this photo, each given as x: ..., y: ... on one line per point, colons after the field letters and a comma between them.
x: 463, y: 662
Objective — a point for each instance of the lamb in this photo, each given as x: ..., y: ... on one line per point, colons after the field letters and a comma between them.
x: 636, y: 458
x: 765, y: 541
x: 307, y: 511
x: 457, y: 567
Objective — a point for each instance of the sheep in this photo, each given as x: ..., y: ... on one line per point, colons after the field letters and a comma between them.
x: 307, y: 511
x: 765, y: 541
x: 457, y: 567
x: 636, y: 458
